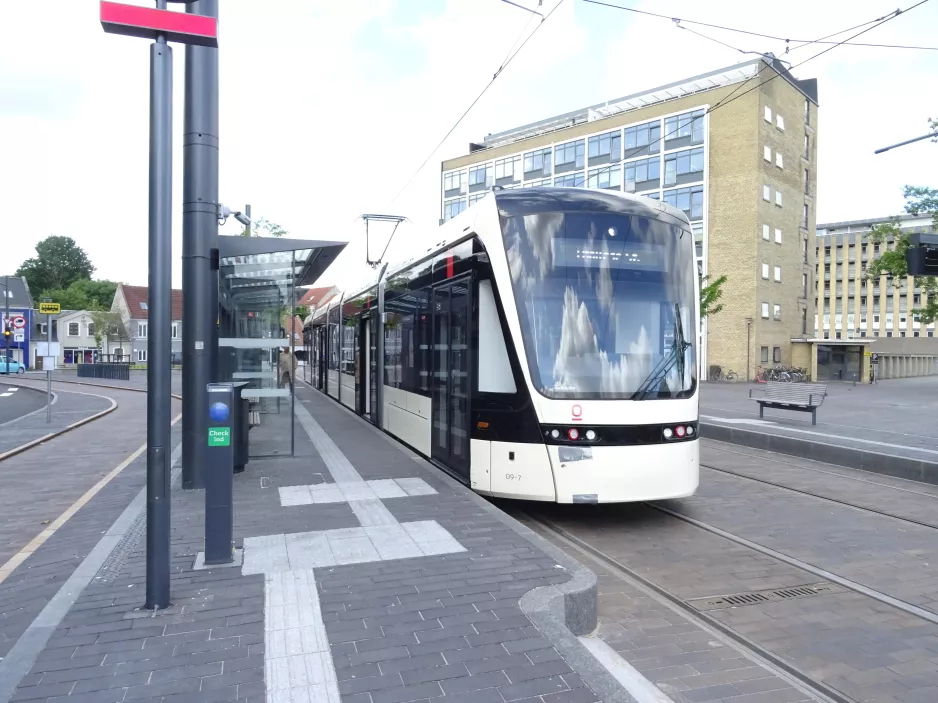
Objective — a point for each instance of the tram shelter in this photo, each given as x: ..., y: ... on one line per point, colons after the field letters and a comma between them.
x: 258, y: 279
x: 834, y: 359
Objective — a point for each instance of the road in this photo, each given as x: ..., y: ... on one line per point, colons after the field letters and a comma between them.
x: 16, y: 402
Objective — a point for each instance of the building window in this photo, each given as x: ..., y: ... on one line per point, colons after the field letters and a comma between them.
x: 765, y: 232
x: 544, y: 182
x: 777, y: 311
x: 478, y: 177
x: 641, y: 172
x: 765, y: 271
x: 763, y: 355
x: 537, y: 163
x: 766, y: 193
x: 569, y: 156
x: 142, y: 330
x: 778, y: 198
x: 804, y: 285
x: 768, y: 114
x: 643, y: 135
x: 508, y: 170
x: 683, y: 163
x: 141, y: 355
x: 72, y: 329
x: 767, y: 153
x: 91, y: 329
x: 807, y: 146
x: 765, y: 311
x: 778, y: 236
x: 778, y: 274
x: 778, y: 160
x: 609, y: 178
x: 780, y: 122
x: 41, y: 328
x: 604, y: 148
x: 690, y: 124
x: 807, y: 184
x: 807, y: 112
x: 571, y: 180
x: 143, y: 305
x: 777, y: 355
x: 452, y: 208
x: 690, y: 200
x: 454, y: 183
x: 804, y: 216
x: 175, y: 331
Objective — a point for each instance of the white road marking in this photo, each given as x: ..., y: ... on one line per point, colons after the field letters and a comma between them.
x: 641, y: 689
x: 297, y: 659
x: 354, y: 491
x: 4, y: 395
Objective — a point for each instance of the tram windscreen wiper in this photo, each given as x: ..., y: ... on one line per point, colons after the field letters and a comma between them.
x: 664, y: 366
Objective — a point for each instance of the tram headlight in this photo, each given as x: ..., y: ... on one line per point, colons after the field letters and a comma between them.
x: 590, y: 435
x: 573, y: 433
x: 668, y: 434
x: 690, y: 430
x: 555, y: 434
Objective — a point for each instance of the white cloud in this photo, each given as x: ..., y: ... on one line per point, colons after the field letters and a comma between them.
x: 327, y: 108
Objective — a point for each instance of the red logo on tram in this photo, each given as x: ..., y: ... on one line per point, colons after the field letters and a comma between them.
x: 576, y: 413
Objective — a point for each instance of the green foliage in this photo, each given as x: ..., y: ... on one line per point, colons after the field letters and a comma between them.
x: 710, y: 293
x: 920, y: 200
x: 262, y: 227
x: 58, y: 263
x: 110, y: 324
x: 83, y: 294
x: 302, y: 311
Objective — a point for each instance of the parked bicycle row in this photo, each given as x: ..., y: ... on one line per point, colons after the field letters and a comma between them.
x: 785, y: 374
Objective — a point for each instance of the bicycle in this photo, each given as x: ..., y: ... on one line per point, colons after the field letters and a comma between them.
x: 717, y: 374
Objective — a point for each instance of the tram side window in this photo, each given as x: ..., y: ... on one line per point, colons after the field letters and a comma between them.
x: 407, y: 342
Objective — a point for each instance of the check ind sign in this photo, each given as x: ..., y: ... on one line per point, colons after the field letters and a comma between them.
x: 219, y: 436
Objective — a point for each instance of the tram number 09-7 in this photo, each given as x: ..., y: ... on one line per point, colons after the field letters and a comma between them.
x: 513, y: 477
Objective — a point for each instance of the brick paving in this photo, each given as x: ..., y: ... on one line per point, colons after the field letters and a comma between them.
x: 71, y: 406
x: 856, y: 645
x: 446, y: 627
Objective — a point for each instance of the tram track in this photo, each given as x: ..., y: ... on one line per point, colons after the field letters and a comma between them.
x: 750, y: 648
x: 828, y: 499
x: 685, y: 606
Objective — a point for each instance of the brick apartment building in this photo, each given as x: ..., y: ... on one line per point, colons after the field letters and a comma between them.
x: 745, y: 174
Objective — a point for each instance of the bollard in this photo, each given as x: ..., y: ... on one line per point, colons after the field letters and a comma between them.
x: 219, y: 475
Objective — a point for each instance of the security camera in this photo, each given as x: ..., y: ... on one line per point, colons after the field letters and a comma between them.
x: 243, y: 219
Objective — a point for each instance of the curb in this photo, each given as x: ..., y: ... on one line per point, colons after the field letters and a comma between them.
x: 920, y: 470
x: 52, y: 435
x: 560, y: 612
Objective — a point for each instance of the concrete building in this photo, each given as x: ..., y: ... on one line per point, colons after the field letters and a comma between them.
x: 850, y: 307
x: 745, y: 174
x: 130, y: 302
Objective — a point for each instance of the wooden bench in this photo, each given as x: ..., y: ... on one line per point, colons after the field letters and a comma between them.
x: 803, y: 397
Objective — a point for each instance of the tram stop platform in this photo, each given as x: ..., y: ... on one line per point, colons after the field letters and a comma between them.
x: 365, y: 575
x: 887, y: 427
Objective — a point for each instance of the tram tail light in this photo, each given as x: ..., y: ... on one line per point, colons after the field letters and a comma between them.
x: 674, y: 433
x: 573, y: 433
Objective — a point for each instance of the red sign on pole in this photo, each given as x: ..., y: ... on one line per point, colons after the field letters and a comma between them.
x: 146, y: 22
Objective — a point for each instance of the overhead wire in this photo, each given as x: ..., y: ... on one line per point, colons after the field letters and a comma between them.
x: 508, y: 59
x: 759, y: 34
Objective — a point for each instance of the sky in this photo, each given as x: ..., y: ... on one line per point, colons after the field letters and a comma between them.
x: 328, y: 108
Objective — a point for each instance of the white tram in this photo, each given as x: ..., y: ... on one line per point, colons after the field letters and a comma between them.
x: 545, y: 349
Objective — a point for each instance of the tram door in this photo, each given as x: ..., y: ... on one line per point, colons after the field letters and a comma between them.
x: 366, y: 367
x: 320, y: 353
x: 451, y: 307
x: 372, y: 365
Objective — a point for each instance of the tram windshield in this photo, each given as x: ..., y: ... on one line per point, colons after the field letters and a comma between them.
x: 598, y: 296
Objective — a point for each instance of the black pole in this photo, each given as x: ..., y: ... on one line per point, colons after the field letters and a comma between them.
x: 199, y: 237
x: 6, y: 322
x: 160, y: 321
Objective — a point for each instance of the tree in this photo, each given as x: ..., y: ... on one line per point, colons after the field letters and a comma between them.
x: 110, y: 324
x: 710, y: 293
x: 84, y: 295
x: 920, y: 200
x: 262, y: 224
x: 58, y: 263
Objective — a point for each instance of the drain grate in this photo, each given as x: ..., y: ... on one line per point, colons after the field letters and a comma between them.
x: 736, y: 600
